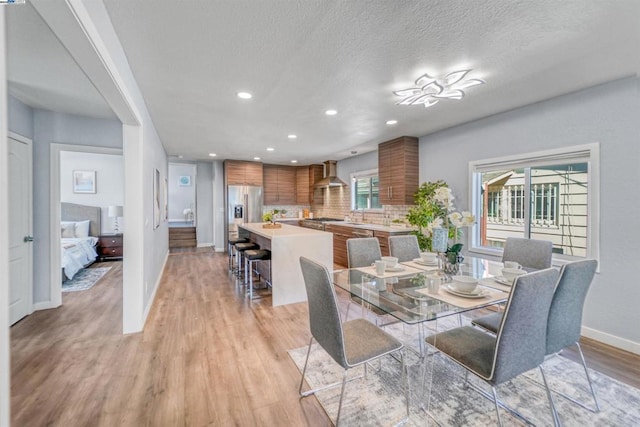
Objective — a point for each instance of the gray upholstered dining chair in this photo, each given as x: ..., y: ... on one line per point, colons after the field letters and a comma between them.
x: 362, y: 252
x: 352, y: 343
x: 529, y: 253
x: 520, y: 342
x: 565, y: 315
x: 405, y: 247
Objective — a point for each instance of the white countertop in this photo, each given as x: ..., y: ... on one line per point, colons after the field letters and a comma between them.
x: 284, y: 231
x: 374, y: 227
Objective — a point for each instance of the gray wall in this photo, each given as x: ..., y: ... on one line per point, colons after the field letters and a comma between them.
x: 20, y: 117
x: 359, y: 163
x: 204, y: 197
x: 50, y: 127
x: 219, y: 214
x: 607, y: 114
x: 181, y: 197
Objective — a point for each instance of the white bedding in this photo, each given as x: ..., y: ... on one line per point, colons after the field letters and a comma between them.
x: 77, y: 253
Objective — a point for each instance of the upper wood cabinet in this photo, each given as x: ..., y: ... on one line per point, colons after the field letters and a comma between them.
x: 316, y: 195
x: 279, y: 185
x: 398, y: 170
x: 238, y: 172
x: 302, y: 185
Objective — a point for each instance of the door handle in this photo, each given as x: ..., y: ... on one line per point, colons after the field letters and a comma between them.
x: 28, y: 239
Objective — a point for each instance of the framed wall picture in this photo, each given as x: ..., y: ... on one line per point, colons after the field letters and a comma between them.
x: 185, y: 181
x: 84, y: 182
x: 156, y: 198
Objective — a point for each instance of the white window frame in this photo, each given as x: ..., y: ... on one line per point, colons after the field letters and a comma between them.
x: 587, y: 153
x: 362, y: 174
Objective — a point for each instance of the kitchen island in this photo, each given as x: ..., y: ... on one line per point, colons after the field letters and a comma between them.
x: 287, y: 244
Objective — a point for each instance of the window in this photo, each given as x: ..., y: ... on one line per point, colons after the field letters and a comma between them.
x: 549, y: 196
x: 365, y: 190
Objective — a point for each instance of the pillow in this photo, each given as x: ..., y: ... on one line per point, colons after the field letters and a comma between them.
x: 82, y: 228
x: 68, y: 229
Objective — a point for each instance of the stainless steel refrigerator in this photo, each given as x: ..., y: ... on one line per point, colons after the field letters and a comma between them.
x: 244, y: 204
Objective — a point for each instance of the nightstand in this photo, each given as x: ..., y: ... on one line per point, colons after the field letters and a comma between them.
x: 109, y: 247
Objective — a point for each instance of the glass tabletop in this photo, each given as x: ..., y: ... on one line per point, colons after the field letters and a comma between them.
x: 406, y: 296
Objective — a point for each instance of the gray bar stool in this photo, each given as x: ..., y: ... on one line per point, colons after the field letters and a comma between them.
x: 251, y: 257
x: 231, y: 250
x: 240, y: 249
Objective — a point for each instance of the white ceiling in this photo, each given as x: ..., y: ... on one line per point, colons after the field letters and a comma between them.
x: 300, y: 58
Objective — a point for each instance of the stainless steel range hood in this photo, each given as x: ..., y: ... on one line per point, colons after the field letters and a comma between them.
x: 330, y: 177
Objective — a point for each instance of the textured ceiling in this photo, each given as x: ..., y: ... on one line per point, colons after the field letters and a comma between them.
x: 299, y: 58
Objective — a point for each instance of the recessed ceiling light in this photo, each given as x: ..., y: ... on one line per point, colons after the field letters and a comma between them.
x: 256, y: 158
x: 270, y: 149
x: 212, y: 154
x: 244, y: 95
x: 331, y: 112
x: 392, y: 122
x: 294, y: 161
x: 180, y: 156
x: 292, y: 136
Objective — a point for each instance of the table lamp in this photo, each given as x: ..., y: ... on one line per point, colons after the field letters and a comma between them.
x: 115, y: 212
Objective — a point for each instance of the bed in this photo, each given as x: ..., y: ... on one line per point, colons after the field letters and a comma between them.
x: 80, y: 228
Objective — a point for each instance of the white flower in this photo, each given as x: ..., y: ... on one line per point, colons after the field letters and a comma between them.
x: 468, y: 219
x: 456, y: 219
x: 443, y: 195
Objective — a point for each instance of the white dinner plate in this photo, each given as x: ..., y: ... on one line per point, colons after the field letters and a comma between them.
x: 481, y: 294
x: 427, y: 264
x: 503, y: 281
x: 394, y: 269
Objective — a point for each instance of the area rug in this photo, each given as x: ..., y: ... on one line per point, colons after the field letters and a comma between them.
x: 378, y: 399
x: 84, y: 279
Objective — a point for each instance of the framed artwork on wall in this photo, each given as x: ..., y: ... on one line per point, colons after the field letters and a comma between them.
x: 84, y: 182
x: 185, y: 181
x: 156, y: 198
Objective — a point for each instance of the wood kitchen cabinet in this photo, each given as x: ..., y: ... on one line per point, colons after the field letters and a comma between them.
x: 398, y: 170
x: 238, y: 172
x: 340, y: 236
x: 302, y: 185
x: 279, y: 185
x: 316, y: 195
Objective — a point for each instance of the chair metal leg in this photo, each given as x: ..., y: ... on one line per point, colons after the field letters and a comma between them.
x: 495, y: 401
x: 586, y: 373
x: 304, y: 370
x: 554, y: 412
x: 344, y: 383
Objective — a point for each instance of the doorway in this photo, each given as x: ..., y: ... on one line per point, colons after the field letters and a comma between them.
x: 182, y: 205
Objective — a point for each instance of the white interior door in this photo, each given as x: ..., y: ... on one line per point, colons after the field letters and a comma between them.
x: 20, y: 223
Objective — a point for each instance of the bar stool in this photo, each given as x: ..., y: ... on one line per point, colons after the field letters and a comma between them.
x: 251, y: 257
x: 231, y: 249
x: 240, y: 249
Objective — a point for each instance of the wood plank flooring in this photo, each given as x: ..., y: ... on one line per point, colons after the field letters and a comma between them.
x: 206, y: 356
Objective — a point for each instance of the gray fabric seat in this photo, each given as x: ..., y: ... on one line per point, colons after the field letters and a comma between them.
x: 350, y: 344
x: 529, y: 253
x: 520, y: 342
x: 404, y: 247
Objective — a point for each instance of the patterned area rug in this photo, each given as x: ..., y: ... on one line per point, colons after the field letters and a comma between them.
x: 84, y: 279
x: 378, y: 399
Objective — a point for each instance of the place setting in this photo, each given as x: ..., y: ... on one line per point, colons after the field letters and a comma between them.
x: 428, y: 261
x: 388, y: 266
x: 509, y: 274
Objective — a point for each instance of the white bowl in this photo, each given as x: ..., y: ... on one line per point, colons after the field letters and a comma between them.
x: 464, y: 283
x: 391, y: 261
x: 511, y: 273
x: 428, y: 256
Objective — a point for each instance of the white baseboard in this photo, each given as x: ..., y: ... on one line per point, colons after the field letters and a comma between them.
x: 205, y: 245
x: 44, y: 305
x: 155, y: 290
x: 219, y: 250
x: 612, y: 340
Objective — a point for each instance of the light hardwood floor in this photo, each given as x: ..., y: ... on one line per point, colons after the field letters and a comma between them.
x: 206, y: 356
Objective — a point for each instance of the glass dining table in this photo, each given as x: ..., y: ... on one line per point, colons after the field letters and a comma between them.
x: 406, y: 295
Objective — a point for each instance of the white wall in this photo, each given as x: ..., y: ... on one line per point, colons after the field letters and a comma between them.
x: 20, y: 117
x: 204, y: 196
x: 109, y: 183
x: 607, y: 114
x: 181, y: 197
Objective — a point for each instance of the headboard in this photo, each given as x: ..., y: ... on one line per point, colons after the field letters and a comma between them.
x: 73, y: 212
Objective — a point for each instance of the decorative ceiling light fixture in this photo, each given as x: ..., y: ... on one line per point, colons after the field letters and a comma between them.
x: 430, y: 90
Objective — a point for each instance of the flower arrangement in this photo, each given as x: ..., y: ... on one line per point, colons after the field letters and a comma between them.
x: 267, y: 217
x: 434, y: 208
